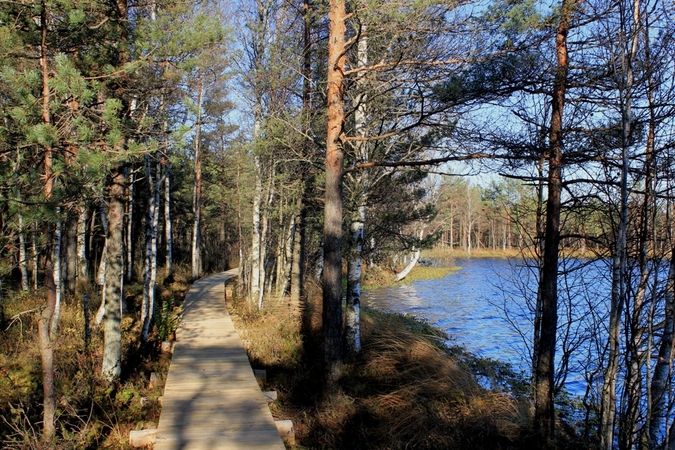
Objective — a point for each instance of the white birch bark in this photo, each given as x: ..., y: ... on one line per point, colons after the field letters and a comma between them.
x: 102, y: 268
x: 23, y: 257
x: 35, y: 261
x: 130, y: 222
x: 82, y: 242
x: 58, y: 279
x: 353, y: 304
x: 360, y: 183
x: 150, y: 269
x: 255, y: 287
x: 416, y: 257
x: 264, y: 230
x: 167, y: 219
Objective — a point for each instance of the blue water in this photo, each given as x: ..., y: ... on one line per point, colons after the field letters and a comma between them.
x: 485, y: 307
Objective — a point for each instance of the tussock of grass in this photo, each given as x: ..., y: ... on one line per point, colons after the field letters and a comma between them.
x: 404, y: 390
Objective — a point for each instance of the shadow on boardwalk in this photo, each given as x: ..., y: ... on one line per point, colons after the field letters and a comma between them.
x: 211, y: 397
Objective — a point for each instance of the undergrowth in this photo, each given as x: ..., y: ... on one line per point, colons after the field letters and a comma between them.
x: 90, y: 413
x: 405, y: 389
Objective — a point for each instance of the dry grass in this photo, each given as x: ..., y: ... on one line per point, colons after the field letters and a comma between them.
x: 90, y: 414
x: 374, y: 277
x: 404, y: 390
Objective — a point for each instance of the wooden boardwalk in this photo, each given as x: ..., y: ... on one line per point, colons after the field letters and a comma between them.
x: 211, y: 398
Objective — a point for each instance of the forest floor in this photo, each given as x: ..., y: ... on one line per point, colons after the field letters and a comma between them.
x: 90, y: 414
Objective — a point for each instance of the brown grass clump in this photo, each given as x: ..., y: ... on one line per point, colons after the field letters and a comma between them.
x: 422, y: 398
x: 404, y: 390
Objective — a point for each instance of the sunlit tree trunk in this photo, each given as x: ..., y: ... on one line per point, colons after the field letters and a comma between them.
x: 353, y: 304
x: 82, y: 264
x: 58, y: 281
x: 44, y: 323
x: 285, y: 272
x: 197, y: 200
x: 130, y: 229
x: 35, y: 257
x: 264, y: 230
x: 102, y: 267
x: 167, y: 219
x: 413, y: 262
x: 332, y: 231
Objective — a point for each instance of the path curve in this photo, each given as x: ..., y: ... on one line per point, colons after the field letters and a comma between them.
x: 211, y: 398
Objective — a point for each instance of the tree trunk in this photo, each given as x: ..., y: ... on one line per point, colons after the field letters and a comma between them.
x: 35, y: 258
x: 23, y: 257
x: 167, y: 220
x: 297, y: 267
x: 150, y: 267
x: 47, y: 352
x: 413, y: 262
x: 71, y: 252
x: 255, y: 287
x: 264, y: 230
x: 618, y: 291
x: 114, y: 275
x: 353, y: 304
x: 197, y: 204
x: 544, y: 409
x: 58, y: 285
x: 332, y: 231
x: 288, y: 258
x: 298, y: 257
x: 82, y: 263
x: 101, y: 275
x: 658, y: 413
x: 130, y: 228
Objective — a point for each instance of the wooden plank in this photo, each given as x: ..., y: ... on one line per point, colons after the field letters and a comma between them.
x: 211, y: 397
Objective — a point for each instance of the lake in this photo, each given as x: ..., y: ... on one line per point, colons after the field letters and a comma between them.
x: 484, y: 308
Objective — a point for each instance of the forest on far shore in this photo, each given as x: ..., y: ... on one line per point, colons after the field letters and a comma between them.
x: 147, y: 143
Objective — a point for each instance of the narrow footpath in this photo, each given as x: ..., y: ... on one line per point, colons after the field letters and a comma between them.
x: 211, y: 398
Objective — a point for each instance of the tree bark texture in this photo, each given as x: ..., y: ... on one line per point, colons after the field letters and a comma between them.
x: 58, y: 280
x: 150, y: 272
x: 197, y: 204
x: 82, y: 264
x: 47, y: 353
x: 23, y: 257
x: 130, y: 228
x: 167, y: 219
x: 332, y: 231
x: 114, y: 275
x: 70, y: 258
